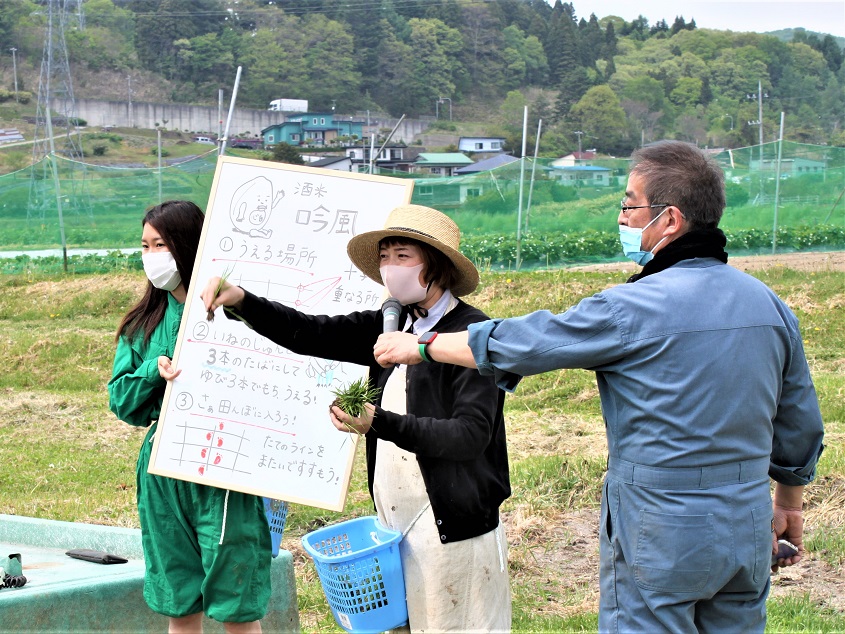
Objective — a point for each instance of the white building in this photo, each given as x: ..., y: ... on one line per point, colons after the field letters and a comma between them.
x: 481, y: 144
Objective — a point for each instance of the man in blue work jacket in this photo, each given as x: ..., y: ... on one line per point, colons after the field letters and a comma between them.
x: 706, y: 394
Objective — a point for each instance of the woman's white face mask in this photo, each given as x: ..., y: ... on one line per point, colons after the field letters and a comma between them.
x: 403, y: 282
x: 161, y: 270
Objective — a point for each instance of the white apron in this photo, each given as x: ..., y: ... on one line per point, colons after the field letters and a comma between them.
x: 462, y: 586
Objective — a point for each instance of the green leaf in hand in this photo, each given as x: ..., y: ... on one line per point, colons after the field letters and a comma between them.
x: 223, y: 278
x: 354, y: 396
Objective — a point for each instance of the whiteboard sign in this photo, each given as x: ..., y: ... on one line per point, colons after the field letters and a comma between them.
x: 246, y: 414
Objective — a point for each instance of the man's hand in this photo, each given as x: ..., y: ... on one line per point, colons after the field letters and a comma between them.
x: 788, y: 522
x: 393, y: 348
x: 401, y: 347
x: 789, y: 525
x: 344, y: 422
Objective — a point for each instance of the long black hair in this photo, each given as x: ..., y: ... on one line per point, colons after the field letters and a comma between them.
x: 179, y: 223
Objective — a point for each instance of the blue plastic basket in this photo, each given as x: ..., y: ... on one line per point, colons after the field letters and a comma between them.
x: 277, y: 513
x: 359, y: 567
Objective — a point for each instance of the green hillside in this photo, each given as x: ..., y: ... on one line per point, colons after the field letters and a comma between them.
x: 600, y: 80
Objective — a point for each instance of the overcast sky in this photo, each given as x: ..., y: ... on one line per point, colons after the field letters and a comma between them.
x: 823, y: 16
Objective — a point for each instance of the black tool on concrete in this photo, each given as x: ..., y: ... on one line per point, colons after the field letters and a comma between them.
x: 96, y: 556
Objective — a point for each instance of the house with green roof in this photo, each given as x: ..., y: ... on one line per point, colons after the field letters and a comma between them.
x: 441, y: 163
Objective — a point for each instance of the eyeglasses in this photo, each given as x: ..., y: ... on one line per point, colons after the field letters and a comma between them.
x: 626, y: 208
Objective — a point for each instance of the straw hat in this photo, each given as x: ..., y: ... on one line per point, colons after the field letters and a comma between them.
x: 419, y: 223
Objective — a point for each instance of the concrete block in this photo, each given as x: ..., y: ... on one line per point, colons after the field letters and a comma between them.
x: 63, y: 594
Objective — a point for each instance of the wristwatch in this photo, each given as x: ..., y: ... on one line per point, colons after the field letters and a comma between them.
x: 425, y: 339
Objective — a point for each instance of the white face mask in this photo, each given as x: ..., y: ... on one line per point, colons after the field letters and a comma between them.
x: 161, y: 270
x: 403, y: 282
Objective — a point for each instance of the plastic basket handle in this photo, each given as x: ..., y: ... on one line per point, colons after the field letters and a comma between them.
x: 414, y: 521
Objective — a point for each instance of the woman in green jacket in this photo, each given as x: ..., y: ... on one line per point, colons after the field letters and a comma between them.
x: 207, y: 550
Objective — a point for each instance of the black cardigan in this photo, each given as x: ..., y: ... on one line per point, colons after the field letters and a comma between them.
x: 455, y: 423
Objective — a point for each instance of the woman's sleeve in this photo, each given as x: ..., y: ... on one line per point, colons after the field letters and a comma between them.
x: 347, y: 338
x: 476, y: 404
x: 136, y: 388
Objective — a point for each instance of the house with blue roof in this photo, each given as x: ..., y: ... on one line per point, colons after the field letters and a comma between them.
x: 466, y: 182
x: 314, y: 129
x: 500, y: 160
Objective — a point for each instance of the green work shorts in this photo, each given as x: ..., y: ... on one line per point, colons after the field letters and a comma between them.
x: 188, y: 569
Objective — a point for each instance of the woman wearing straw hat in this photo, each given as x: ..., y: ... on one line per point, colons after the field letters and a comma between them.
x: 436, y: 452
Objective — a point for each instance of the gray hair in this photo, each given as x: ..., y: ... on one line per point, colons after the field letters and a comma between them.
x: 680, y: 174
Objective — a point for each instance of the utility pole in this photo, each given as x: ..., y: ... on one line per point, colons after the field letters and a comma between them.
x: 533, y: 169
x: 759, y: 122
x: 579, y: 133
x: 760, y: 116
x: 15, y: 67
x: 222, y: 142
x: 777, y: 188
x: 158, y: 139
x: 219, y: 113
x: 521, y: 179
x: 441, y: 100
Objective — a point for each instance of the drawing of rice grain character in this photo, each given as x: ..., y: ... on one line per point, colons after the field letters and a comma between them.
x: 251, y: 206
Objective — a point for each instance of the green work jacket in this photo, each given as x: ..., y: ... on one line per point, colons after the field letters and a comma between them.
x: 136, y: 389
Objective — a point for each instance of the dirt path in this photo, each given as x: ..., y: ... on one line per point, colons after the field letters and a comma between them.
x: 827, y: 261
x: 572, y: 567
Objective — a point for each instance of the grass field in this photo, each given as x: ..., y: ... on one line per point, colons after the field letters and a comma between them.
x: 65, y: 456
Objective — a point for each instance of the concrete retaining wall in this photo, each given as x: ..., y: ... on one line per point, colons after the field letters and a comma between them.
x: 207, y: 120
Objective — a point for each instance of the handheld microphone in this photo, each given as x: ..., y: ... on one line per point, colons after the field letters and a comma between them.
x: 391, y: 309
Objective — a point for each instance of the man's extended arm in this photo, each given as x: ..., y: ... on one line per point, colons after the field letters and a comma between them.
x: 400, y: 347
